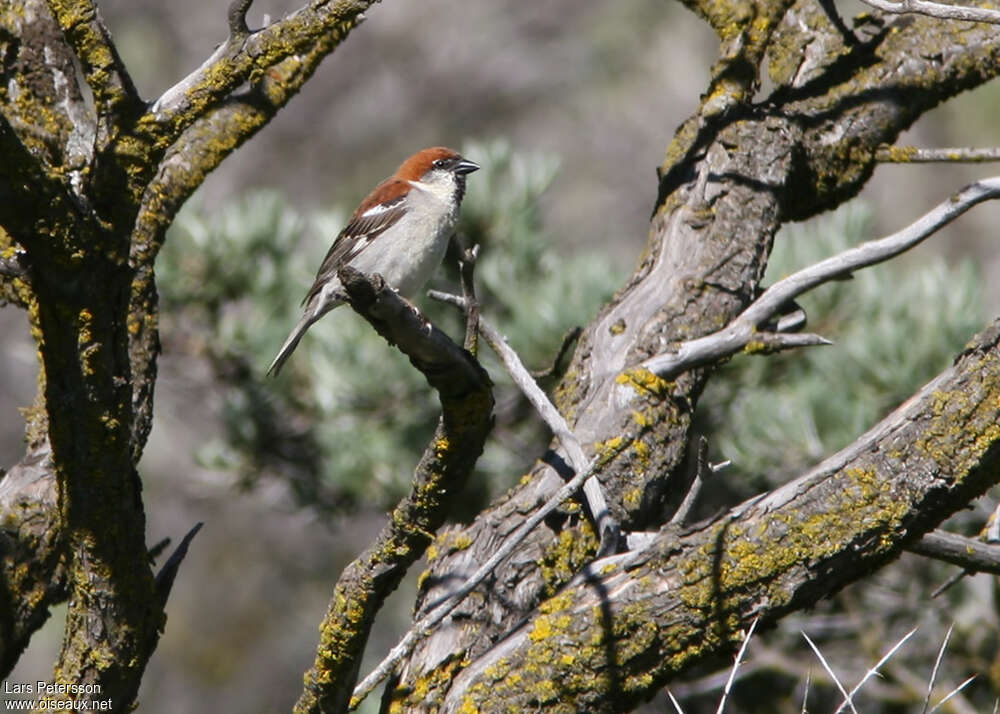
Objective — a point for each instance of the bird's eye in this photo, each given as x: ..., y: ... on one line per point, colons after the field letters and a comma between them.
x: 440, y: 163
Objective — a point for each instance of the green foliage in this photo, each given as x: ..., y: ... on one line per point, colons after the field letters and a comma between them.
x: 349, y: 416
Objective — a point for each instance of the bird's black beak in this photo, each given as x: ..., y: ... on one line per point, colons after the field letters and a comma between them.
x: 464, y: 166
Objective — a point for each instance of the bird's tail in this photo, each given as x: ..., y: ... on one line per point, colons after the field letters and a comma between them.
x: 292, y: 342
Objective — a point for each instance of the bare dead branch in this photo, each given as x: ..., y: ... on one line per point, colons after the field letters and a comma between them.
x: 952, y: 693
x: 607, y: 529
x: 467, y: 268
x: 702, y: 471
x: 915, y: 155
x: 736, y: 665
x: 874, y: 670
x: 742, y: 333
x: 571, y: 336
x: 829, y: 671
x: 157, y: 549
x: 937, y: 666
x: 941, y: 11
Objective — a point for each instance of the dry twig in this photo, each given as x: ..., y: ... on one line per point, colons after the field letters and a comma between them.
x: 742, y: 333
x: 941, y: 11
x: 607, y: 529
x: 956, y: 155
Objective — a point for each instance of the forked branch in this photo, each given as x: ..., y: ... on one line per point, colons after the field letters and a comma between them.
x: 742, y: 333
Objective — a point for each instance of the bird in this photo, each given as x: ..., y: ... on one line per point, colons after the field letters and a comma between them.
x: 400, y: 230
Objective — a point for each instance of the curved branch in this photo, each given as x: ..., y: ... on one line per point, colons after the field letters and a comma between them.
x: 742, y: 331
x: 237, y: 17
x: 466, y: 397
x: 201, y: 148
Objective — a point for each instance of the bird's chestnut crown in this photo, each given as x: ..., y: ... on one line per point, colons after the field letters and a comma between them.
x: 437, y: 158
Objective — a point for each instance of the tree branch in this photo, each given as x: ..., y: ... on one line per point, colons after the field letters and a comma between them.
x: 742, y: 332
x: 466, y: 269
x: 603, y: 643
x: 726, y: 184
x: 237, y: 17
x: 604, y: 523
x: 165, y: 578
x: 941, y: 11
x: 744, y: 28
x: 440, y: 610
x: 307, y: 35
x: 968, y: 553
x: 915, y: 155
x: 115, y: 96
x: 607, y: 529
x: 466, y: 397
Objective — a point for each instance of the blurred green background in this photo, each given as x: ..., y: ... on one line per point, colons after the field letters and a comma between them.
x: 569, y: 106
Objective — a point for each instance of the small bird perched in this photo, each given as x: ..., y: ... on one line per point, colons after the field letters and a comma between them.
x: 401, y: 231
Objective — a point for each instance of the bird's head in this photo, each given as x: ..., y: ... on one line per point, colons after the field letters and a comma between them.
x: 437, y: 169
